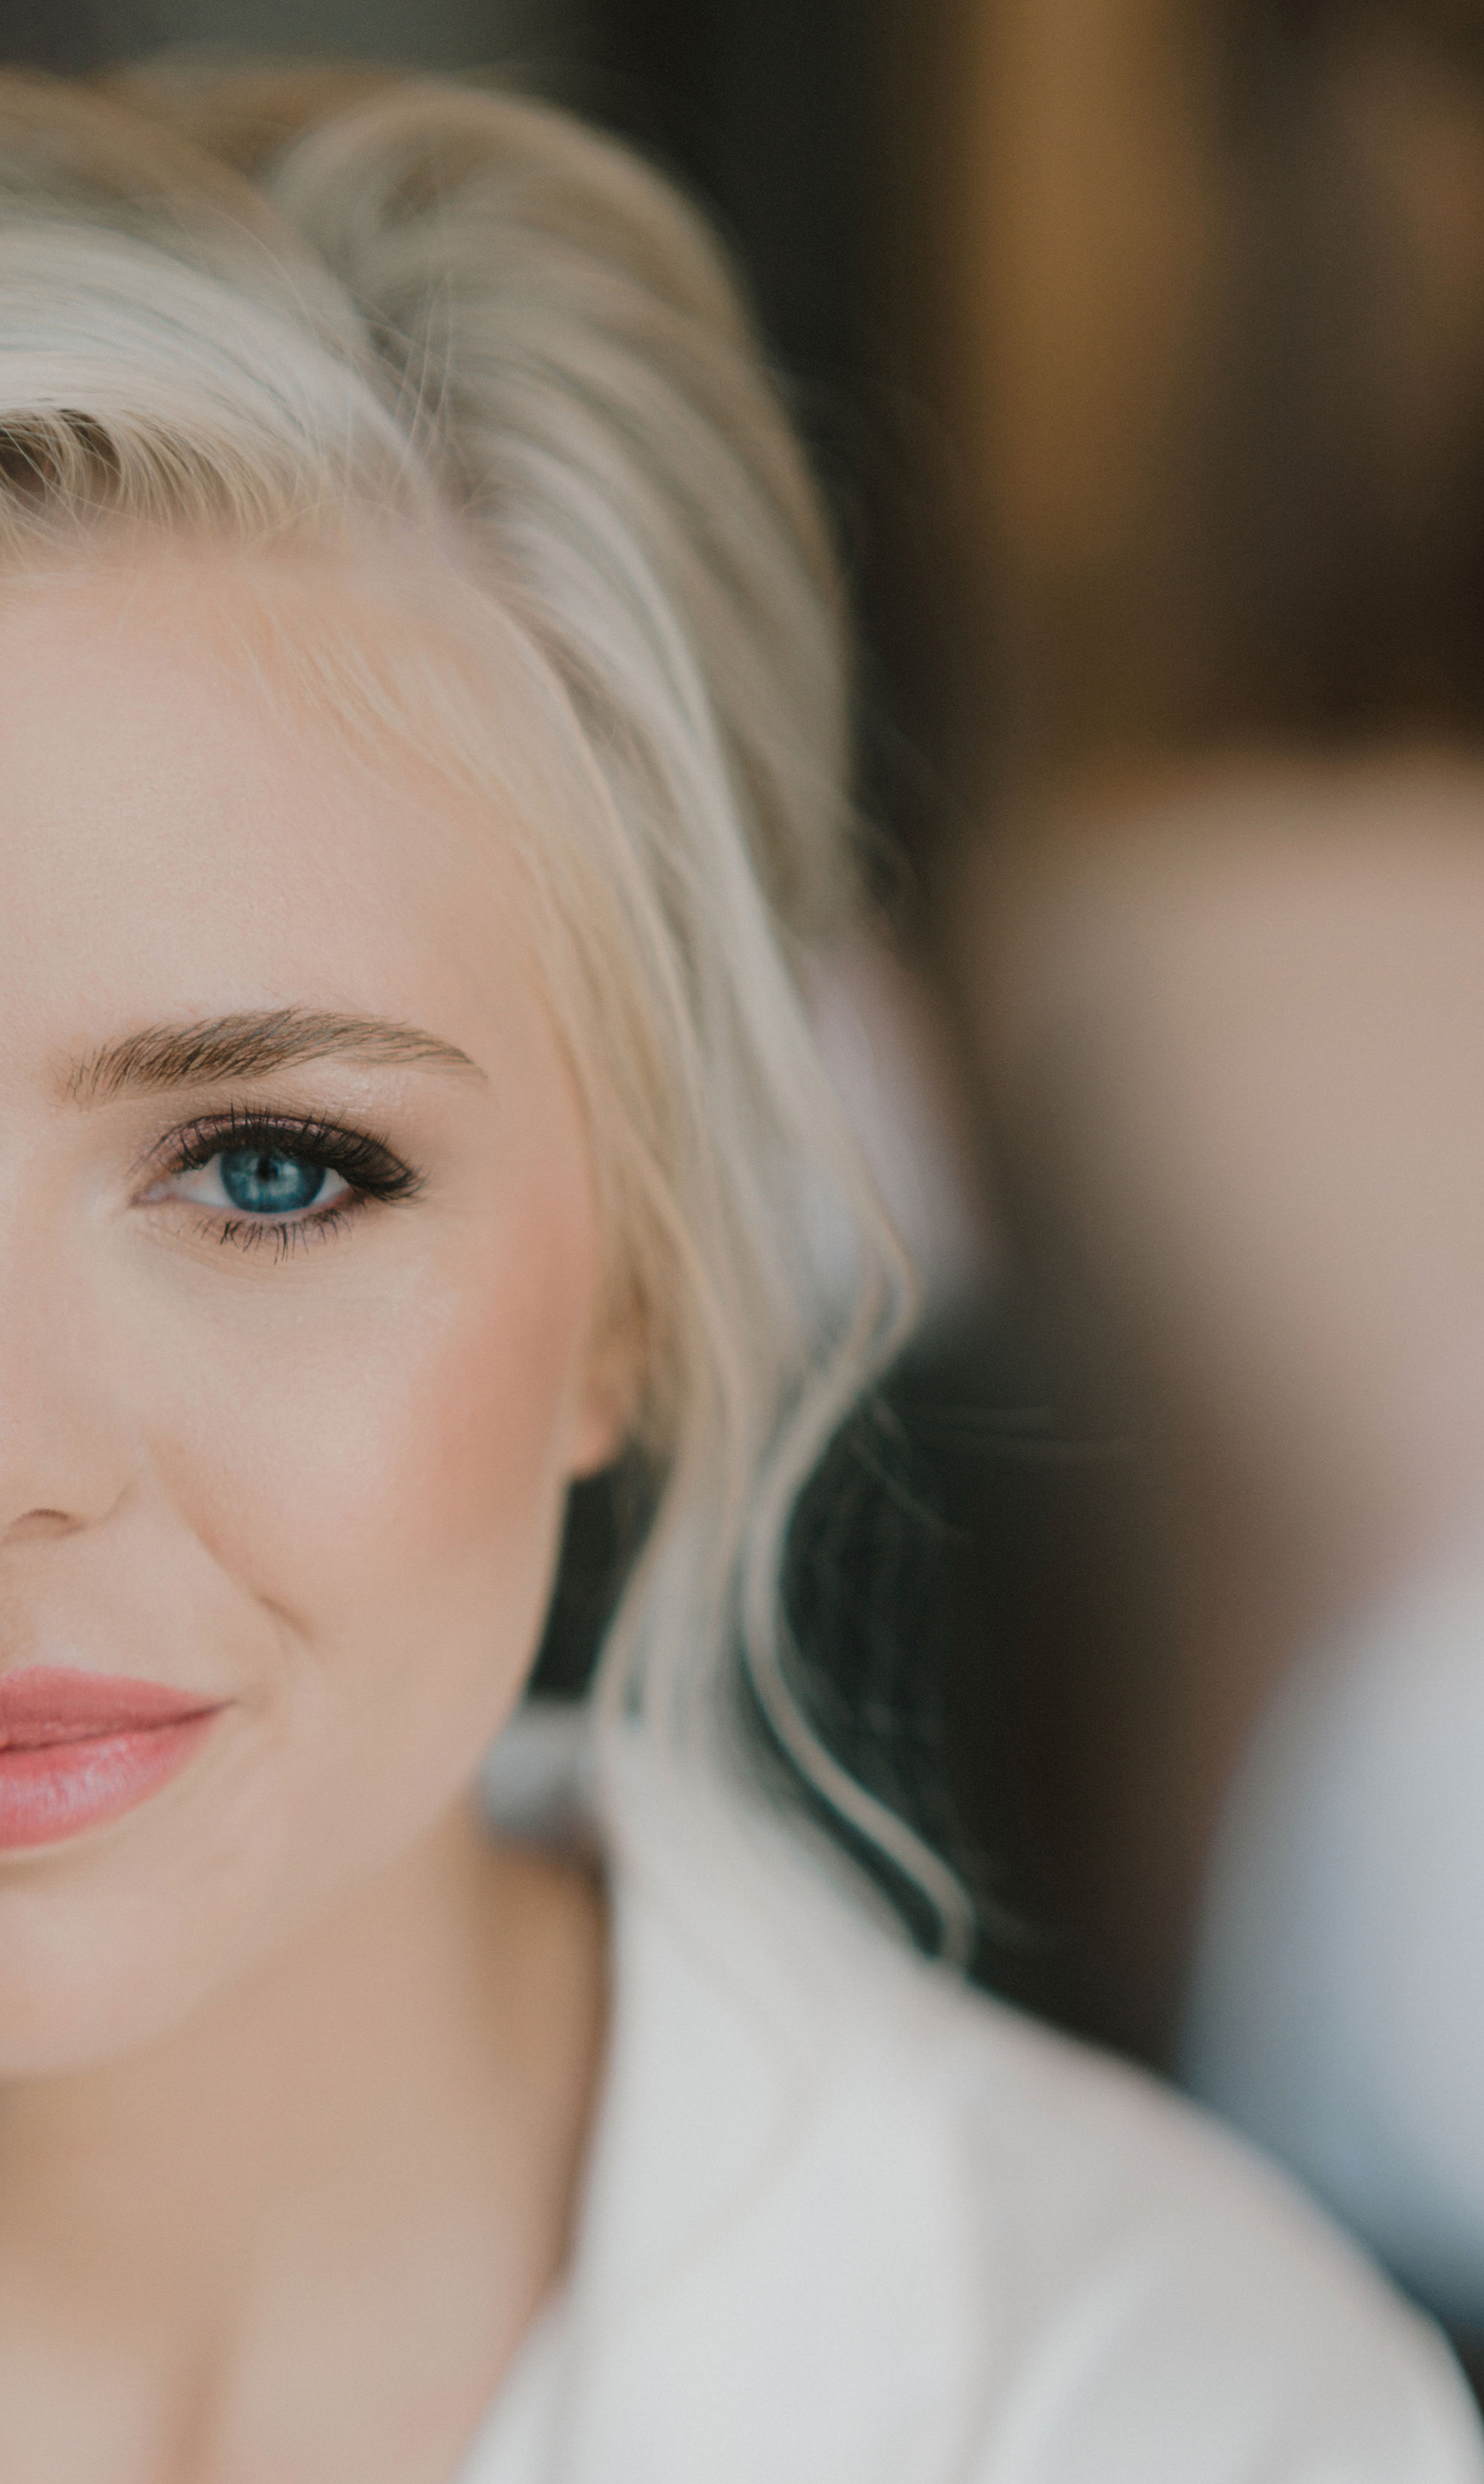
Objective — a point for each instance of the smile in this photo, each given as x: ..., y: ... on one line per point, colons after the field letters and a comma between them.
x: 78, y: 1748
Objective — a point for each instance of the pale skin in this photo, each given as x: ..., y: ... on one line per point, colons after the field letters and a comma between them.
x: 296, y: 2063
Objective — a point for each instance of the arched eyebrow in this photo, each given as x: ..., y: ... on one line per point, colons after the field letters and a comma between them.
x: 251, y: 1043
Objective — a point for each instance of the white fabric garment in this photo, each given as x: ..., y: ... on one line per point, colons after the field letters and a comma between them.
x: 846, y: 2221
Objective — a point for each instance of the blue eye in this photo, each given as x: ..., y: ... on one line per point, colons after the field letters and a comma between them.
x: 267, y: 1181
x: 275, y: 1179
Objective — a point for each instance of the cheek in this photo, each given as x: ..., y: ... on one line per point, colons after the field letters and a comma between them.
x: 392, y: 1478
x: 353, y: 1497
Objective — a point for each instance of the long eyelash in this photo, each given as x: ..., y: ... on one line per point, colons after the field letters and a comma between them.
x: 246, y: 1234
x: 367, y: 1163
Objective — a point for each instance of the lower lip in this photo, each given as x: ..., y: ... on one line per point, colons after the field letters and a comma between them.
x: 52, y: 1790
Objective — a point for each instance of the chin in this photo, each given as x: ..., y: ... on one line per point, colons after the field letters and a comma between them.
x: 106, y: 1964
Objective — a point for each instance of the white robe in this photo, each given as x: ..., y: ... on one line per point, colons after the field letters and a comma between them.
x: 846, y: 2221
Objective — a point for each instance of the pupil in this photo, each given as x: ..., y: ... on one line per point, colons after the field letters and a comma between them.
x: 265, y: 1182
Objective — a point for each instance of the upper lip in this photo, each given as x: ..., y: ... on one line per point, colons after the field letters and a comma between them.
x: 46, y: 1703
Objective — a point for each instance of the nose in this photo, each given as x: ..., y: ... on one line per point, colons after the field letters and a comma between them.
x: 66, y: 1458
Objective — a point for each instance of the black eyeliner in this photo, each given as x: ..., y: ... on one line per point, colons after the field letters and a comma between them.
x: 366, y: 1162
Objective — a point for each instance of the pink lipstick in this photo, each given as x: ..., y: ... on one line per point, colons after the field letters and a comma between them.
x: 77, y: 1749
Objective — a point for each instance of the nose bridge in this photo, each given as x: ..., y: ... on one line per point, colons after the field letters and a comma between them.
x: 65, y: 1447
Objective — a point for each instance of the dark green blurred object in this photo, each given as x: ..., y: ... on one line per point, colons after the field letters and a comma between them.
x: 944, y: 1577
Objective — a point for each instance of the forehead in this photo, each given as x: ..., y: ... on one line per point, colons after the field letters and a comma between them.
x: 183, y: 826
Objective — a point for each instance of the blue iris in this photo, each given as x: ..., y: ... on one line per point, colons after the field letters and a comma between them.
x: 264, y: 1181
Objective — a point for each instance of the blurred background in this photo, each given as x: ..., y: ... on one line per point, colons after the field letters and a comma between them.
x: 1139, y: 344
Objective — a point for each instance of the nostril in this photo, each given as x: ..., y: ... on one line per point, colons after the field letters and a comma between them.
x: 38, y: 1522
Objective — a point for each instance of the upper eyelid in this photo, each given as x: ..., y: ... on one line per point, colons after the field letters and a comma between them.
x: 218, y: 1130
x: 191, y: 1144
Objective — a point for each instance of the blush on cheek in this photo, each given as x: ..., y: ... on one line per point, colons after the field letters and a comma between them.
x: 395, y: 1495
x: 491, y: 1410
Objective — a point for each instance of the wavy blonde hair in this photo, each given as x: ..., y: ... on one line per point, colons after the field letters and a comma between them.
x: 288, y: 307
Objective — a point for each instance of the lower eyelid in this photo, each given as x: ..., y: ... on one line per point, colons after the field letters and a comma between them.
x: 283, y: 1238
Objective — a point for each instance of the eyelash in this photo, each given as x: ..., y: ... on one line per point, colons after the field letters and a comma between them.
x: 365, y: 1163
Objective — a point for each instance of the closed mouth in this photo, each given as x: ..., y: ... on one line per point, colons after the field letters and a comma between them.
x: 77, y: 1749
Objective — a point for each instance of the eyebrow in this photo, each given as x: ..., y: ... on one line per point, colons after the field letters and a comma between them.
x: 251, y: 1043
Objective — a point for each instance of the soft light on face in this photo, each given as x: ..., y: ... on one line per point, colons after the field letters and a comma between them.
x: 283, y: 1427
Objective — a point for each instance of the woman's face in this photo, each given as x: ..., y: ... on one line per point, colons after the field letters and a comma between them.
x: 297, y: 1305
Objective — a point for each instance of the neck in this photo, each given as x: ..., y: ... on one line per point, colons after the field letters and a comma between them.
x: 349, y: 2181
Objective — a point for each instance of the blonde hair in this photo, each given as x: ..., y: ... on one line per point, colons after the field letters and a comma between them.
x: 280, y: 306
